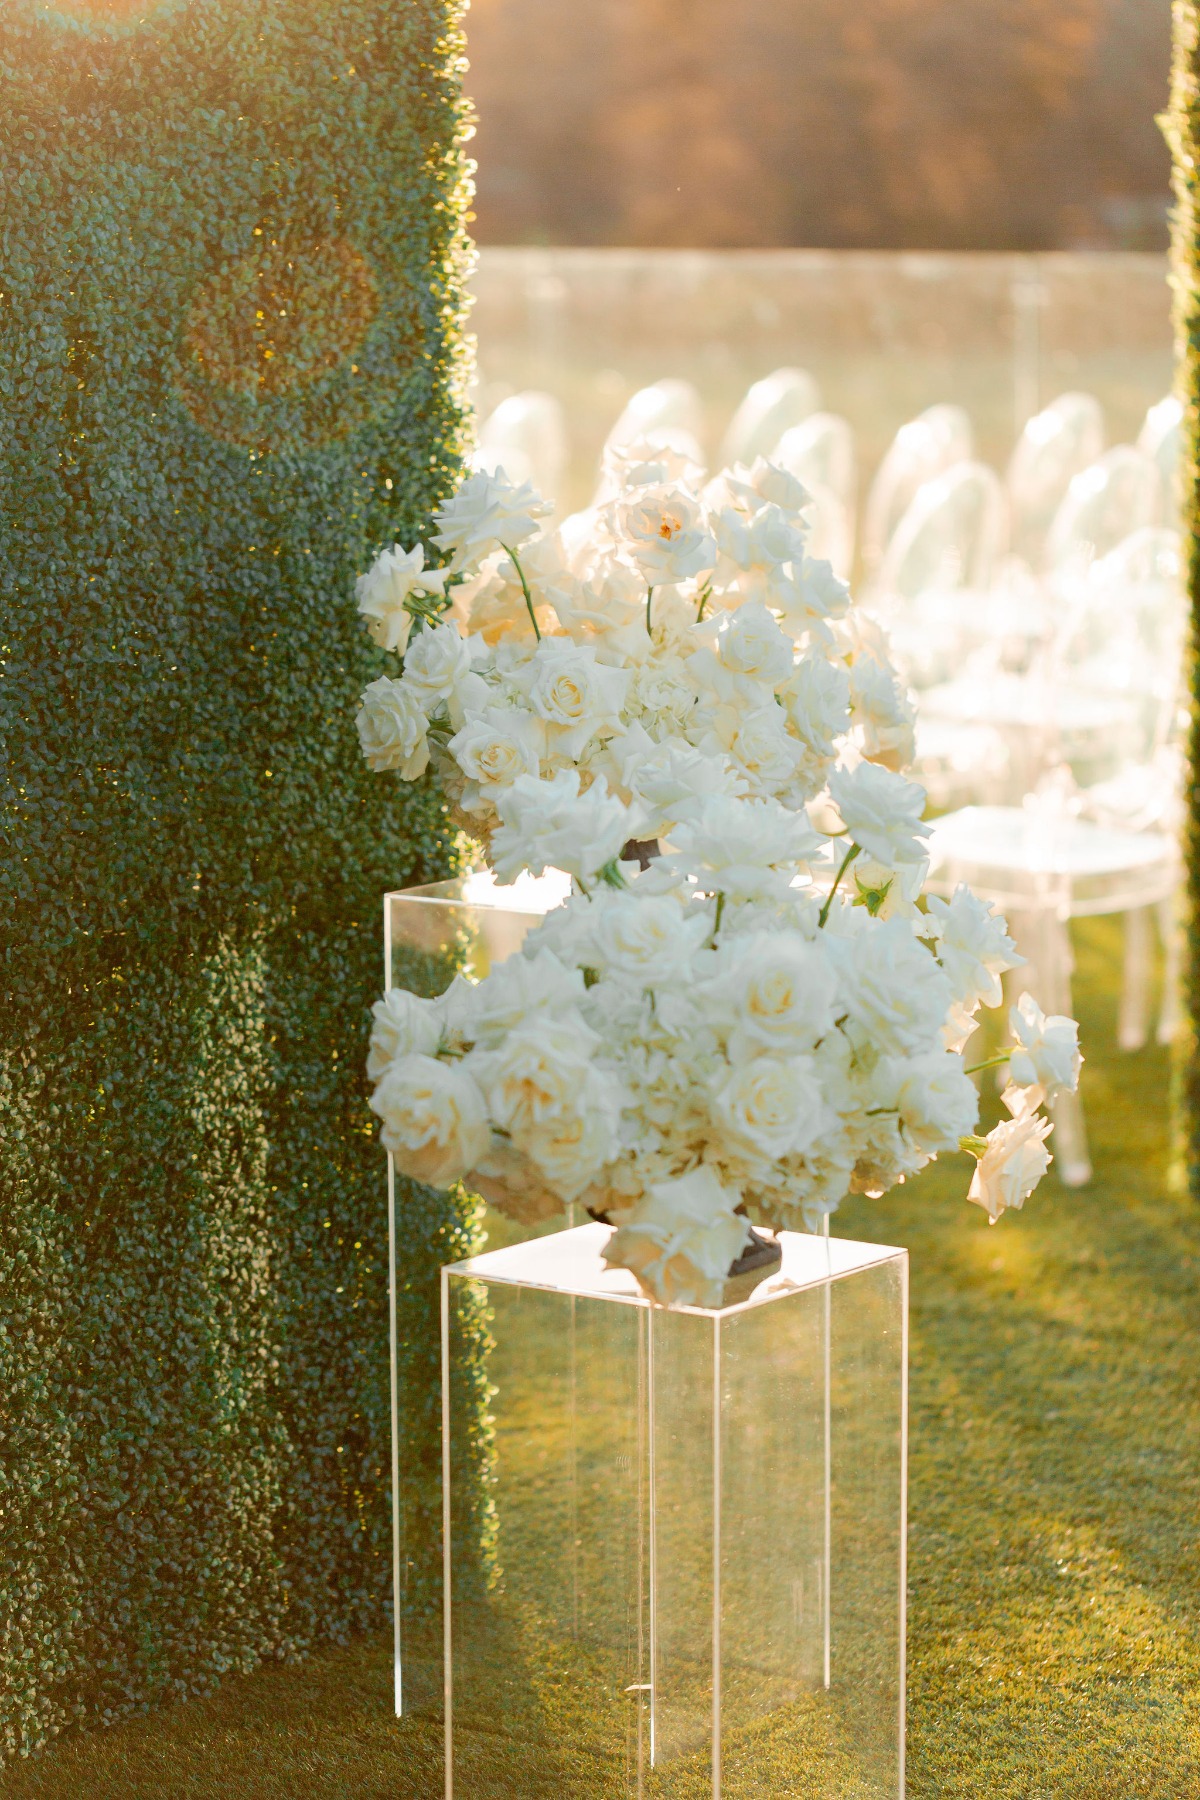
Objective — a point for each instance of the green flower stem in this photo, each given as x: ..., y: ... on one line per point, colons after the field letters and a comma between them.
x: 993, y: 1062
x: 849, y: 857
x: 649, y: 598
x: 719, y: 915
x: 516, y: 563
x: 705, y: 597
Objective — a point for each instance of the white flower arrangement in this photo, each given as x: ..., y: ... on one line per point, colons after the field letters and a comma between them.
x: 764, y: 1019
x: 674, y: 642
x: 715, y: 1043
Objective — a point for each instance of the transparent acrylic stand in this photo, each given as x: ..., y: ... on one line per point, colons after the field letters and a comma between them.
x: 688, y: 1574
x: 431, y: 934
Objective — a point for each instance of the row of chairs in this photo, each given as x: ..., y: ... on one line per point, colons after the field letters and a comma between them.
x: 1039, y: 616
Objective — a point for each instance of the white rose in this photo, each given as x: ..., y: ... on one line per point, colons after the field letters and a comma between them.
x: 937, y: 1102
x: 780, y: 989
x: 770, y: 1107
x: 681, y: 1238
x: 1046, y: 1053
x: 664, y: 527
x: 812, y: 597
x: 434, y: 1119
x: 551, y: 824
x: 436, y: 663
x: 817, y: 702
x: 745, y: 848
x: 573, y: 693
x: 891, y: 985
x: 570, y: 1147
x: 1013, y: 1161
x: 487, y: 512
x: 882, y: 812
x: 750, y: 642
x: 662, y: 698
x: 536, y: 982
x: 884, y: 714
x: 762, y: 747
x: 669, y: 782
x: 769, y: 482
x: 403, y: 1023
x: 494, y: 747
x: 973, y: 946
x: 392, y: 729
x: 536, y: 1074
x: 383, y: 592
x: 650, y: 938
x: 508, y: 1180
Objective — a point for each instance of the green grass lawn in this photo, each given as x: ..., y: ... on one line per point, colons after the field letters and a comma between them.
x: 1054, y: 1617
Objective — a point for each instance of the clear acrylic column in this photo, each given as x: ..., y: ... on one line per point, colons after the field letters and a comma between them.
x: 431, y: 934
x: 688, y: 1576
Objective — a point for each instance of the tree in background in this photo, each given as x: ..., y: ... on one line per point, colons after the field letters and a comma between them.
x: 956, y: 123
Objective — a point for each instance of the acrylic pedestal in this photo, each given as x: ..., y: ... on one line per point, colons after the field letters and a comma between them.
x: 686, y: 1573
x: 430, y: 935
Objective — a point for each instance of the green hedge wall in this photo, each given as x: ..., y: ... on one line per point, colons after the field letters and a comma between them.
x: 1182, y: 125
x: 231, y: 365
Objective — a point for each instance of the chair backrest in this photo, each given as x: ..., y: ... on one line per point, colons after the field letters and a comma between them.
x: 771, y: 407
x: 820, y: 451
x: 526, y: 435
x: 830, y: 530
x: 952, y: 535
x: 1116, y: 496
x: 1161, y: 437
x: 661, y: 406
x: 1055, y: 444
x: 934, y: 441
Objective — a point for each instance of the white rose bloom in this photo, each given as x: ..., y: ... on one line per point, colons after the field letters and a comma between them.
x: 891, y: 985
x: 434, y: 1119
x: 488, y: 512
x: 750, y: 642
x: 536, y: 1073
x: 780, y: 990
x: 571, y: 1146
x: 650, y: 938
x: 745, y: 848
x: 493, y: 748
x: 668, y: 782
x: 552, y: 825
x: 813, y: 597
x: 770, y: 483
x: 435, y: 664
x: 973, y: 946
x: 403, y: 1023
x: 770, y: 1107
x: 882, y: 812
x: 665, y: 457
x: 762, y: 746
x: 393, y: 578
x: 883, y: 713
x: 536, y: 983
x: 661, y: 698
x: 574, y: 694
x: 817, y: 702
x: 937, y: 1102
x: 1012, y: 1164
x: 1046, y: 1053
x: 681, y: 1238
x: 392, y: 729
x: 507, y: 1179
x: 665, y: 530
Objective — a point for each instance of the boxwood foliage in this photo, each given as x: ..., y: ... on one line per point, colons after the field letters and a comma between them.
x: 231, y: 366
x: 1182, y: 124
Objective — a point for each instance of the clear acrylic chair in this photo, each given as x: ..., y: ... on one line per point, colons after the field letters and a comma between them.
x: 1098, y: 832
x: 769, y: 408
x: 1054, y: 446
x: 661, y: 406
x: 921, y: 450
x: 1161, y: 438
x: 1115, y: 496
x: 821, y: 451
x: 526, y: 435
x: 952, y: 535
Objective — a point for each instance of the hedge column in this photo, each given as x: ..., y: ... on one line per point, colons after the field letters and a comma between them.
x: 1183, y: 132
x: 231, y: 366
